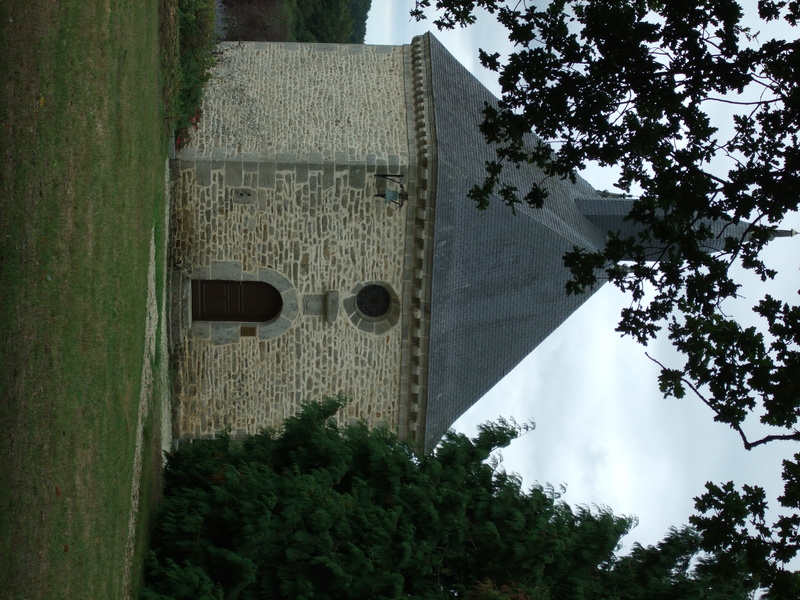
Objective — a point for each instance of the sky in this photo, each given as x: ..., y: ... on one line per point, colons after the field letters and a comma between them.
x: 603, y: 430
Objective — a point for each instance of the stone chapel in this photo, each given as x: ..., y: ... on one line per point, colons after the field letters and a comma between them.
x: 323, y: 243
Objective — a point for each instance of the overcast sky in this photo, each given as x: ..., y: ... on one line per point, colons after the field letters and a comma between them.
x: 603, y: 428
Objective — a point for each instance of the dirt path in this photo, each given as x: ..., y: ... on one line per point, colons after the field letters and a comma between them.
x: 154, y: 336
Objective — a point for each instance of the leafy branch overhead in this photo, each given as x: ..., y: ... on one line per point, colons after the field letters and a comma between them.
x: 644, y: 86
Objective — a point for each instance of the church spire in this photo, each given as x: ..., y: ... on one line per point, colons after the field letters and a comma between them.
x: 784, y: 233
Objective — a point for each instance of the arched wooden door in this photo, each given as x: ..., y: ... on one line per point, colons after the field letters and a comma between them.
x: 244, y: 301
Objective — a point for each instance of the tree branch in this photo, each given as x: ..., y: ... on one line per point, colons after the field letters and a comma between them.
x: 748, y: 445
x: 739, y: 103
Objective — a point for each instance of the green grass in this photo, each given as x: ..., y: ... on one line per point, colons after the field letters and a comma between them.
x: 82, y: 188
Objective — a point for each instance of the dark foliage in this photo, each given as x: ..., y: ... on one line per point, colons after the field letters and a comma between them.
x: 255, y: 20
x: 321, y: 511
x: 330, y: 21
x: 196, y: 41
x: 359, y: 11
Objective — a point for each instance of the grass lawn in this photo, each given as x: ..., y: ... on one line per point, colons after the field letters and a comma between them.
x: 82, y: 200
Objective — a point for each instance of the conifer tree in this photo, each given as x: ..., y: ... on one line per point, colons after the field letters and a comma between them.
x: 322, y: 511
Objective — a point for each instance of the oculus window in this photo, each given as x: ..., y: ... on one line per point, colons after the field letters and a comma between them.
x: 374, y: 302
x: 373, y: 307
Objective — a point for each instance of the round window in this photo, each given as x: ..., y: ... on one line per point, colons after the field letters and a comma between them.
x: 374, y: 301
x: 373, y: 307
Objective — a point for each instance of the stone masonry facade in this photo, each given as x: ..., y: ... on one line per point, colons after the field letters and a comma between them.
x: 278, y: 185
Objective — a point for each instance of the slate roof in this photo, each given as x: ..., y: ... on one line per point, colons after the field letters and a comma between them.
x: 498, y: 280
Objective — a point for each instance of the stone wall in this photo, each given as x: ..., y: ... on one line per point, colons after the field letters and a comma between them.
x: 305, y: 102
x: 279, y: 182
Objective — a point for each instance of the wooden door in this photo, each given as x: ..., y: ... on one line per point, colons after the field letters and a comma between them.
x: 215, y: 300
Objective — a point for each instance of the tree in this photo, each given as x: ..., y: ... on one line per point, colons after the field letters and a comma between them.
x: 323, y: 21
x: 359, y: 11
x: 321, y: 511
x: 632, y: 84
x: 328, y: 21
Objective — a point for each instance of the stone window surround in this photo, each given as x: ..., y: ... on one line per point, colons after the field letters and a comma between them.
x: 368, y: 324
x: 384, y: 298
x: 229, y: 332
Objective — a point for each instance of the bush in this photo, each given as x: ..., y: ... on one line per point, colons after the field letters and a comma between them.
x: 197, y: 40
